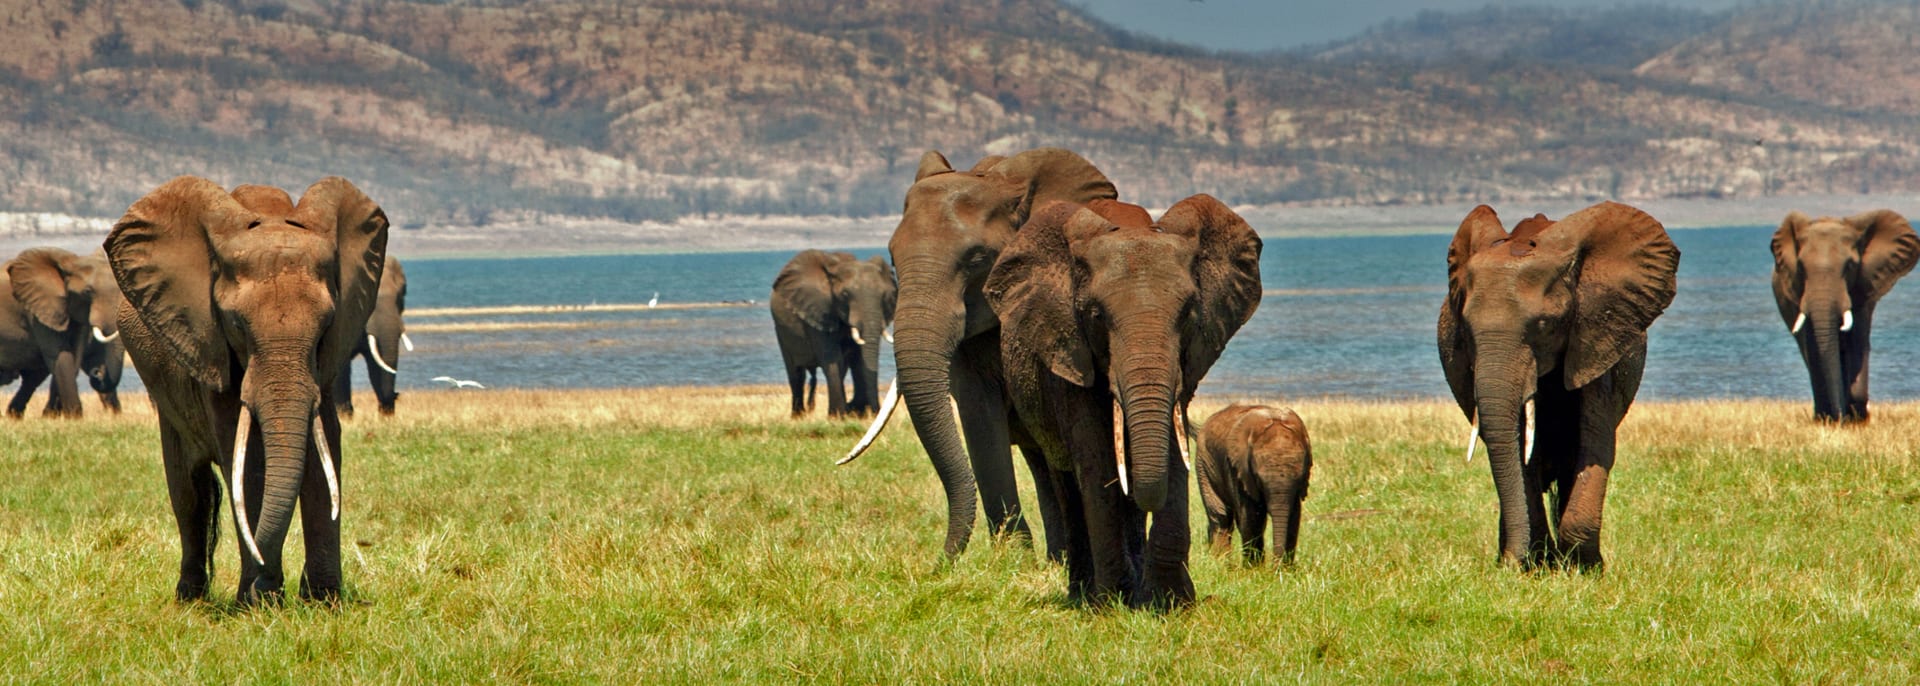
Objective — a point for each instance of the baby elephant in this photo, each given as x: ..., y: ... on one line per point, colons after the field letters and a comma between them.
x: 1253, y: 462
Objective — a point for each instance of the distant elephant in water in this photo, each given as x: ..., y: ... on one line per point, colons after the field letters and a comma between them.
x: 1253, y: 463
x: 241, y: 311
x: 1828, y: 274
x: 830, y: 312
x: 1108, y: 323
x: 53, y: 304
x: 952, y: 229
x: 1543, y: 337
x: 386, y: 335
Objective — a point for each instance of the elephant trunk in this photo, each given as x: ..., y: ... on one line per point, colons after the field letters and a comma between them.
x: 1824, y: 339
x: 1501, y: 391
x: 927, y: 336
x: 280, y: 391
x: 1145, y: 385
x: 866, y: 375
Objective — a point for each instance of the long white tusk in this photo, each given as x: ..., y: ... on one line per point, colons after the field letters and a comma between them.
x: 1473, y: 435
x: 1120, y: 447
x: 408, y: 342
x: 857, y: 340
x: 1846, y: 320
x: 326, y: 466
x: 879, y: 423
x: 240, y: 483
x: 373, y: 348
x: 104, y: 339
x: 1180, y: 437
x: 1801, y: 322
x: 1529, y: 456
x: 887, y: 335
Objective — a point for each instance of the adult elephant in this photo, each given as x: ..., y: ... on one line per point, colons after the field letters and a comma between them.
x: 386, y: 335
x: 49, y: 312
x: 1543, y: 337
x: 951, y: 231
x: 831, y: 312
x: 1108, y: 322
x: 1828, y: 276
x: 242, y: 309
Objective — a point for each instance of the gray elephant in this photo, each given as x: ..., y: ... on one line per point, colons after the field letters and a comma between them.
x: 1108, y: 323
x: 1253, y: 463
x: 1547, y: 327
x: 831, y: 312
x: 386, y: 335
x: 951, y: 232
x: 1828, y: 276
x: 241, y: 311
x: 102, y: 360
x: 53, y: 304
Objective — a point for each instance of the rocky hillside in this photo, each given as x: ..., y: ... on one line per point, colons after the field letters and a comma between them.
x: 503, y: 111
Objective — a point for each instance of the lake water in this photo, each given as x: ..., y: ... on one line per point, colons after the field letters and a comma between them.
x: 1350, y: 317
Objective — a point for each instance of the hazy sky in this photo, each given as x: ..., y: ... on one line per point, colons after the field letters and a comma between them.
x: 1263, y: 24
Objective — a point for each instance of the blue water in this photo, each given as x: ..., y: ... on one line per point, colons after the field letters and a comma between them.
x: 1351, y: 317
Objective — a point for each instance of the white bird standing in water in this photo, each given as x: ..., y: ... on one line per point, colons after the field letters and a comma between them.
x: 459, y: 383
x: 655, y: 301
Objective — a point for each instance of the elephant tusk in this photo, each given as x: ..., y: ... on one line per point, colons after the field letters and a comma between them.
x: 1799, y: 323
x: 1180, y: 438
x: 326, y: 466
x: 1528, y: 457
x: 1120, y: 446
x: 408, y: 342
x: 857, y: 340
x: 1473, y: 435
x: 239, y: 484
x: 373, y: 348
x: 886, y: 335
x: 102, y: 338
x: 879, y: 423
x: 1846, y: 320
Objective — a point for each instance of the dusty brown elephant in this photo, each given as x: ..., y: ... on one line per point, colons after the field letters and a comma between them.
x: 241, y: 311
x: 1253, y: 463
x: 53, y: 304
x: 948, y: 339
x: 831, y: 312
x: 1543, y: 337
x: 386, y: 336
x: 1108, y: 323
x: 1828, y: 275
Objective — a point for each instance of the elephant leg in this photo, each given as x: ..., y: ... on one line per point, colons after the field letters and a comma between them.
x: 1252, y: 522
x: 1586, y: 495
x: 983, y: 423
x: 1853, y: 363
x: 320, y: 532
x: 1165, y: 582
x: 836, y: 388
x: 343, y: 388
x: 1105, y: 511
x: 1220, y: 531
x: 29, y: 382
x: 813, y: 386
x: 66, y: 385
x: 1072, y: 535
x: 797, y: 382
x: 1045, y: 491
x: 195, y: 497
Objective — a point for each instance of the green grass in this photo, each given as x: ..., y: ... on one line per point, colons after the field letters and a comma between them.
x: 694, y: 536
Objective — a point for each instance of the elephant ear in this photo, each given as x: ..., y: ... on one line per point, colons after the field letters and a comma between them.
x: 891, y: 297
x: 1031, y: 289
x: 1888, y: 249
x: 1480, y: 230
x: 333, y: 206
x: 1786, y: 265
x: 805, y: 285
x: 161, y: 252
x: 39, y: 278
x: 1226, y: 276
x: 1625, y: 266
x: 1051, y: 174
x: 931, y: 163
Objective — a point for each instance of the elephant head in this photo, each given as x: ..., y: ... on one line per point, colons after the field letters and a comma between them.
x: 250, y: 301
x: 104, y: 357
x: 1827, y: 276
x: 57, y: 289
x: 953, y: 227
x: 1113, y: 301
x: 1563, y: 303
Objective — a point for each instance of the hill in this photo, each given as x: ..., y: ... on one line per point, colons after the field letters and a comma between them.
x: 505, y: 111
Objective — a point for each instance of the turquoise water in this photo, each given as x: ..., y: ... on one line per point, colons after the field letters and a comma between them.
x: 1351, y: 317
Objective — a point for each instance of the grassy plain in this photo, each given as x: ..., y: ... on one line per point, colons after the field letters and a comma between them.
x: 698, y: 536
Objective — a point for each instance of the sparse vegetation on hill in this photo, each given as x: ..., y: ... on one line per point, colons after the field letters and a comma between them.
x: 483, y: 112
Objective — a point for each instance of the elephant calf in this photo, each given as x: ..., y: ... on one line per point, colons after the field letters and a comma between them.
x: 1253, y: 462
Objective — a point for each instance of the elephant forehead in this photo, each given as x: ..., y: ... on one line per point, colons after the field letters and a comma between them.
x: 276, y: 249
x: 1135, y: 251
x: 1828, y: 233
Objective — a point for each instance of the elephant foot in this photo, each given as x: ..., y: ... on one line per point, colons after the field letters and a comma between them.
x: 345, y: 411
x: 261, y: 592
x: 1165, y: 594
x: 187, y: 591
x: 323, y: 594
x: 386, y: 410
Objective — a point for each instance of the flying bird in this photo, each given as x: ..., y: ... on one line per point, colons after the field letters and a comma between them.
x: 459, y: 383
